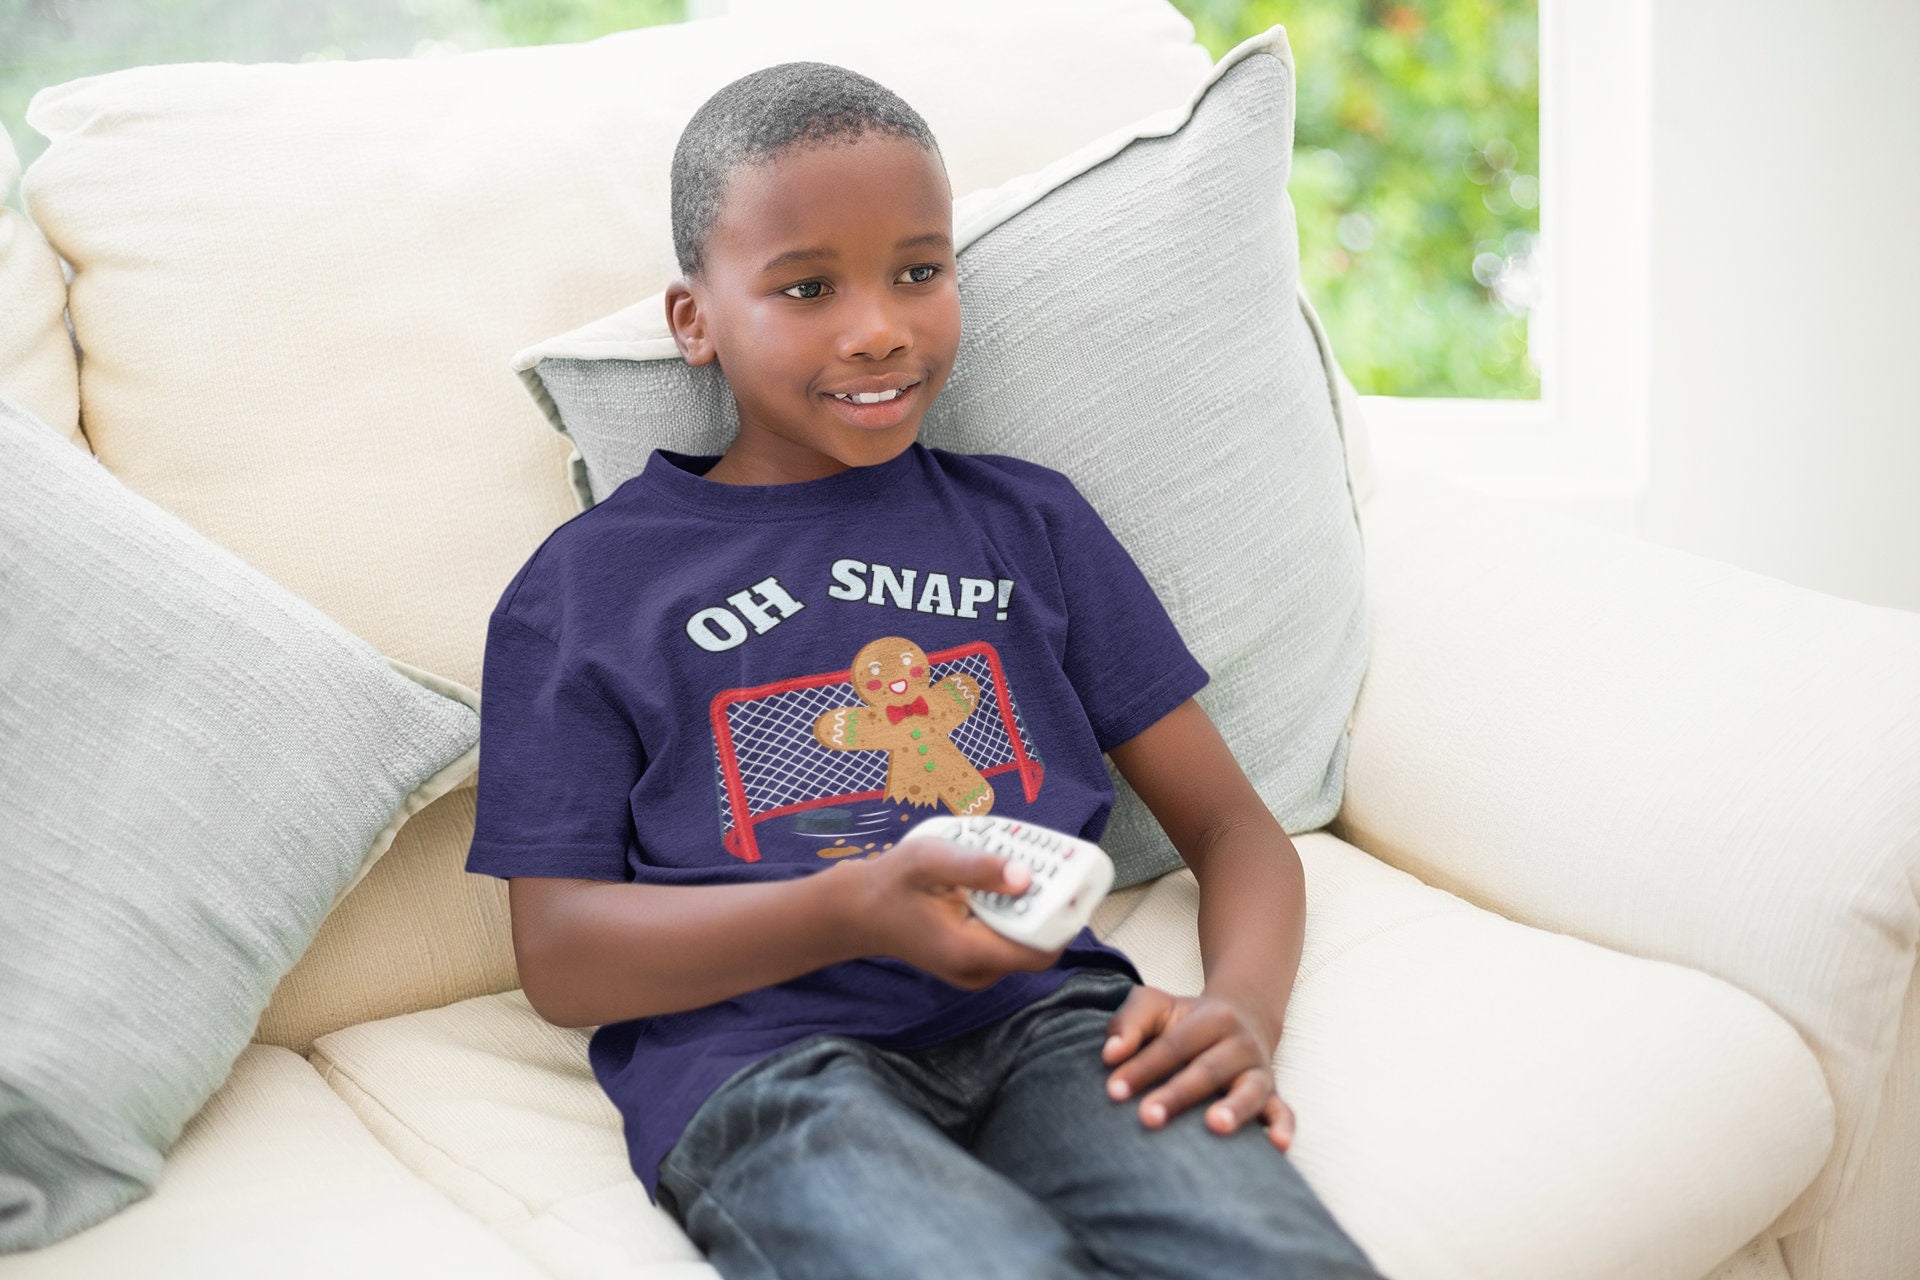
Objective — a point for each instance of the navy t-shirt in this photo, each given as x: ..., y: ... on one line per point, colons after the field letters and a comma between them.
x: 698, y: 683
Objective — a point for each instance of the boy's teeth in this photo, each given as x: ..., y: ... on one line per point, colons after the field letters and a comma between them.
x: 874, y: 397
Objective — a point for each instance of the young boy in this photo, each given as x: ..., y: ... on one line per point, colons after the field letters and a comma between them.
x: 825, y: 1064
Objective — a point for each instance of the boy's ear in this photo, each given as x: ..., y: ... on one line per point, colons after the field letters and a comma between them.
x: 685, y: 322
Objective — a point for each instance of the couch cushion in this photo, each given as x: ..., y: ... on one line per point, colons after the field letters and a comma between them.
x: 500, y: 1110
x: 398, y: 941
x: 1131, y: 315
x: 1474, y: 1097
x: 198, y: 765
x: 276, y: 1175
x: 300, y: 284
x: 1477, y: 1097
x: 1724, y: 766
x: 37, y: 367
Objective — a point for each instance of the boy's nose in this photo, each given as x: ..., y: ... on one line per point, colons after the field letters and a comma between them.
x: 875, y: 330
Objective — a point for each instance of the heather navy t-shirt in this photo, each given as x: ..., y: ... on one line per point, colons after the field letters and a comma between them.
x: 701, y: 683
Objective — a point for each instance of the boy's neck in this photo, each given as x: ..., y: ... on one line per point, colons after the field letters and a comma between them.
x: 730, y: 470
x: 783, y: 462
x: 719, y: 472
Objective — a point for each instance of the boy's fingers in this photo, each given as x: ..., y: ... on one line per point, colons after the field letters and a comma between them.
x: 1143, y: 1011
x: 1279, y: 1120
x: 1197, y: 1073
x: 1137, y: 1018
x: 1250, y: 1095
x: 955, y: 864
x: 992, y: 872
x: 1121, y: 1038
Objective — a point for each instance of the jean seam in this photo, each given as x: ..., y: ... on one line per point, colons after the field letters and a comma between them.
x: 739, y: 1077
x: 720, y: 1207
x: 674, y: 1166
x: 1033, y: 1025
x: 925, y: 1056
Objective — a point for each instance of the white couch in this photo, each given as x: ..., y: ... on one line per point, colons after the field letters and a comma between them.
x: 1609, y: 952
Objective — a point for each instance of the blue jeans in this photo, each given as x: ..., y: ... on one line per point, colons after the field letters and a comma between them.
x: 997, y: 1154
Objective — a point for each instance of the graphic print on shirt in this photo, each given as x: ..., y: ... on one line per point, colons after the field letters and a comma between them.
x: 902, y: 727
x: 892, y: 678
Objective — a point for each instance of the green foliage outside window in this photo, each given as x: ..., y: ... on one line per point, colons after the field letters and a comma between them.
x: 1416, y: 155
x: 1415, y: 182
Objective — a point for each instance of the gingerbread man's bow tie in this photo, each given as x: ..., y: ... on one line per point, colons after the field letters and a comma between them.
x: 918, y: 707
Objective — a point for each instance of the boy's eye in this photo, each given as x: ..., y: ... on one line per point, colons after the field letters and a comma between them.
x: 933, y: 269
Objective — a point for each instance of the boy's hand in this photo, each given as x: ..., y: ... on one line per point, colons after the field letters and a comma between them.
x: 912, y: 904
x: 1212, y: 1043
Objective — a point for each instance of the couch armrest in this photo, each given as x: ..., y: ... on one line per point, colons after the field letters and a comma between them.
x: 1658, y: 752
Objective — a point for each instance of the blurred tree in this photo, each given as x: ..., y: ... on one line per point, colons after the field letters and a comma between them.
x: 45, y: 42
x: 1415, y: 182
x: 1415, y: 163
x: 521, y: 22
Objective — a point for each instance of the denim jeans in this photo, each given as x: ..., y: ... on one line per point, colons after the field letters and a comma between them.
x: 994, y: 1155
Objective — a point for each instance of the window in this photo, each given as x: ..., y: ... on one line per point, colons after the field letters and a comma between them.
x: 1415, y: 182
x: 1409, y: 112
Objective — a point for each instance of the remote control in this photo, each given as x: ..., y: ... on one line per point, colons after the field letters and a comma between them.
x: 1069, y: 876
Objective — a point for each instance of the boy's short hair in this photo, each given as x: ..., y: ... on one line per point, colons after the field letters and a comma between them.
x: 764, y: 114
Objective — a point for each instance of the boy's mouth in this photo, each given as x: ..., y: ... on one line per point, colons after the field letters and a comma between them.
x: 884, y: 413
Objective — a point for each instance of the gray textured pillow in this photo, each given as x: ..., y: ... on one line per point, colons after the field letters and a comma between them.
x: 197, y: 766
x: 1131, y: 316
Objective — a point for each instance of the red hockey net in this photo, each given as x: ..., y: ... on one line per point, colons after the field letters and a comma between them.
x: 770, y: 765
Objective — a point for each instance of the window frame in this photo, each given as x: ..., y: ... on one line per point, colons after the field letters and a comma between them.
x: 1586, y: 437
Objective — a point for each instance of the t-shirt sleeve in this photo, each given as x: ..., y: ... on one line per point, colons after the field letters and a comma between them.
x: 558, y: 764
x: 1125, y: 656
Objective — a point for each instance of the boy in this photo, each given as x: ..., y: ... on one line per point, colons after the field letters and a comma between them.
x: 826, y: 1065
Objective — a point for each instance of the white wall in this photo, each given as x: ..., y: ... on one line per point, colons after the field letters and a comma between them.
x: 1786, y: 291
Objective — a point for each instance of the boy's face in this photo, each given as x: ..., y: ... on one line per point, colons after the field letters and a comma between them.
x: 880, y: 306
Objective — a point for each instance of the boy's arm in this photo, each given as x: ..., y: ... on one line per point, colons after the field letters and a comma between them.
x: 595, y: 944
x: 1252, y: 887
x: 592, y: 952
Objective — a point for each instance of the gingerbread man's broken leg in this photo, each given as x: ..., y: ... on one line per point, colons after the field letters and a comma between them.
x: 907, y: 782
x: 960, y: 786
x: 967, y: 800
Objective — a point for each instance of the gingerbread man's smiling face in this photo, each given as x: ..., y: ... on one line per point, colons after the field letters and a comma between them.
x: 891, y: 670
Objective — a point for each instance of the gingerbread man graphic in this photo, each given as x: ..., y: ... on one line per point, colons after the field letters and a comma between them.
x: 904, y: 713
